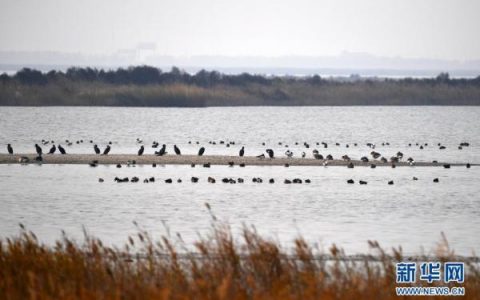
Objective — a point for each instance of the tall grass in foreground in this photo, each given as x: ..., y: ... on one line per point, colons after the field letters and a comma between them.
x: 219, y: 267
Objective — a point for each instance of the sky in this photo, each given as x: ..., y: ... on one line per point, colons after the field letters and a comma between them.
x: 434, y: 29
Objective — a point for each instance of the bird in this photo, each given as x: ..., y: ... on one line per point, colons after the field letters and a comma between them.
x: 105, y: 152
x: 52, y: 150
x: 162, y: 150
x: 289, y: 153
x: 394, y: 159
x: 261, y: 156
x: 140, y: 151
x: 375, y: 155
x: 10, y: 149
x: 270, y: 153
x: 177, y: 150
x: 242, y: 152
x: 61, y: 149
x: 97, y: 150
x: 23, y: 159
x: 201, y: 151
x: 304, y: 154
x: 38, y: 149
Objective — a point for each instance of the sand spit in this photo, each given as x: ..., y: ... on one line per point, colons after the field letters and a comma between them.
x: 194, y: 159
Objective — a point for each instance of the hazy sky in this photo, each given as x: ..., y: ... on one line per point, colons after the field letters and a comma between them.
x: 444, y: 29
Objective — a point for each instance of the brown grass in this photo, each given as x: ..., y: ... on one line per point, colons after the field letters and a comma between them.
x: 219, y: 267
x: 280, y: 92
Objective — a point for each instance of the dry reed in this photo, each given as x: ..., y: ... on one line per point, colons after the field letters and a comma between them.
x: 219, y: 266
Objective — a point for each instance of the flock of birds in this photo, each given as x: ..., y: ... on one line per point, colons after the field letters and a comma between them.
x: 270, y: 152
x: 210, y: 179
x: 53, y: 149
x: 231, y: 180
x: 375, y: 157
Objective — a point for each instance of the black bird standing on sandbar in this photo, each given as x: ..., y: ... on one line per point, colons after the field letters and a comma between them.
x: 97, y: 150
x: 177, y: 150
x: 140, y: 151
x: 242, y: 152
x: 270, y: 153
x: 10, y: 149
x: 38, y: 149
x: 52, y: 150
x: 105, y: 152
x: 61, y: 149
x: 162, y: 150
x: 201, y: 151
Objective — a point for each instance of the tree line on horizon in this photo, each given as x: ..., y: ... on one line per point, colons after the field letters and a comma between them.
x: 139, y: 75
x: 150, y: 86
x: 143, y: 75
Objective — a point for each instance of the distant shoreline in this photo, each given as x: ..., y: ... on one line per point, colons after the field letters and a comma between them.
x: 151, y: 87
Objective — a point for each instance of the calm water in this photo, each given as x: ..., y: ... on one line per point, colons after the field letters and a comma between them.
x: 410, y: 213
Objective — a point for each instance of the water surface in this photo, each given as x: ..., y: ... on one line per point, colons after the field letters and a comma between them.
x: 410, y: 213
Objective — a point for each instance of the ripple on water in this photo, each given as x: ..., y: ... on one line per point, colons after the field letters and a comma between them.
x: 411, y: 213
